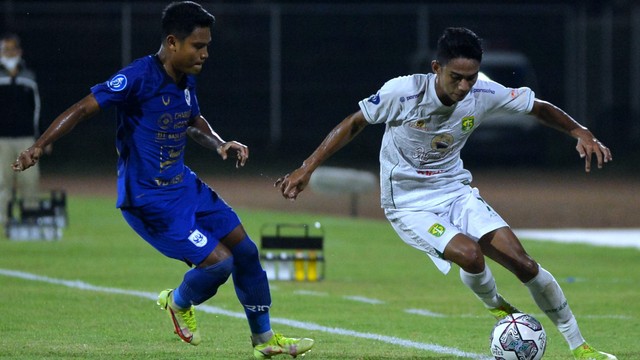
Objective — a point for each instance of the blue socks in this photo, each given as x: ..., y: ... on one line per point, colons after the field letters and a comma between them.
x: 252, y: 286
x: 199, y: 285
x: 250, y: 281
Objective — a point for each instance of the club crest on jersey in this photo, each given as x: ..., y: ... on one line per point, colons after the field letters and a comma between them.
x: 187, y: 96
x: 198, y: 239
x: 437, y: 230
x: 117, y: 83
x: 467, y: 123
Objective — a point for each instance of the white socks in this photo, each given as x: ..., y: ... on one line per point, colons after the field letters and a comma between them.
x: 551, y: 300
x: 545, y: 292
x: 483, y: 285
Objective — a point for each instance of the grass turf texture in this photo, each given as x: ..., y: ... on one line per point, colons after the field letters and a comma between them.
x: 364, y: 258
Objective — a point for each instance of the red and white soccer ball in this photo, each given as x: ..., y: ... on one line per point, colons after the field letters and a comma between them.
x: 518, y: 337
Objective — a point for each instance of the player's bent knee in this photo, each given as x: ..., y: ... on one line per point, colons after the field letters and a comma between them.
x: 526, y: 269
x: 466, y: 253
x: 246, y: 250
x: 218, y: 255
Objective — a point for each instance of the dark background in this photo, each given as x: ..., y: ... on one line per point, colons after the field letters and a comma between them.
x: 583, y: 53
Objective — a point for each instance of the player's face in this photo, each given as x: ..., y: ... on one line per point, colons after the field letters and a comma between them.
x: 9, y: 48
x: 455, y: 79
x: 191, y: 53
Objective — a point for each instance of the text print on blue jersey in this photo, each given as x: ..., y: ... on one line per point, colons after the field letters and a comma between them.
x: 117, y: 83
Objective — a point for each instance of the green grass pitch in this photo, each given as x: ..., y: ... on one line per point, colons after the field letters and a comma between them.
x: 90, y: 296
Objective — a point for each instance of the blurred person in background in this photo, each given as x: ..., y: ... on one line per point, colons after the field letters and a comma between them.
x: 20, y: 104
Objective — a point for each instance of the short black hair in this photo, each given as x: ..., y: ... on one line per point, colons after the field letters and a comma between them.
x: 180, y: 18
x: 458, y: 42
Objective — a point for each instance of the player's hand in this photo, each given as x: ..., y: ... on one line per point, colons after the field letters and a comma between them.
x: 27, y: 158
x: 242, y: 152
x: 292, y: 184
x: 588, y: 147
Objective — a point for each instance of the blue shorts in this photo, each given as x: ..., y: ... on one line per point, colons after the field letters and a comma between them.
x: 185, y: 228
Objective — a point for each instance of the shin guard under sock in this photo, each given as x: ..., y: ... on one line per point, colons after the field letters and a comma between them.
x: 483, y: 286
x: 252, y: 286
x: 549, y: 297
x: 200, y: 284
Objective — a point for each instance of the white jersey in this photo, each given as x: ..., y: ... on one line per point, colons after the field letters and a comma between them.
x: 420, y: 152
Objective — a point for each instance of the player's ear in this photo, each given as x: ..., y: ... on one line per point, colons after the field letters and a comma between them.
x: 171, y: 42
x: 435, y: 66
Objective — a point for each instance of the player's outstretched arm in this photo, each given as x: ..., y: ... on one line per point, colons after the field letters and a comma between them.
x: 588, y: 146
x: 63, y: 124
x: 202, y: 133
x: 292, y: 184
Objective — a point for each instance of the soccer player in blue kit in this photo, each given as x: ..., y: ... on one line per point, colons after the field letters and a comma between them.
x: 159, y: 196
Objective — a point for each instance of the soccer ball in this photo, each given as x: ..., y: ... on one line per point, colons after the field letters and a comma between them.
x: 518, y: 337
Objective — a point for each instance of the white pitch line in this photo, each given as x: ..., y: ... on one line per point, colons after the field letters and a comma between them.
x: 310, y: 293
x: 77, y: 284
x: 424, y: 312
x: 600, y: 237
x: 363, y: 299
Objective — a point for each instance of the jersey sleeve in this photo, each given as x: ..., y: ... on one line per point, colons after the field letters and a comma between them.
x: 499, y: 98
x: 384, y: 106
x: 121, y: 88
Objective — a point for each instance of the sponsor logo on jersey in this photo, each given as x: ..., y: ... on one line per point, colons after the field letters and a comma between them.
x: 467, y: 123
x: 411, y: 97
x: 440, y: 147
x: 374, y: 99
x: 441, y: 142
x: 164, y: 121
x: 183, y: 115
x: 429, y: 172
x: 516, y: 92
x: 181, y: 124
x: 437, y: 230
x: 170, y: 154
x: 174, y: 180
x: 480, y: 90
x: 187, y: 96
x: 117, y: 83
x: 419, y: 124
x: 198, y: 239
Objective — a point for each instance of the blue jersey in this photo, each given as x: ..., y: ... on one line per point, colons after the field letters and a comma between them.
x: 153, y: 114
x: 160, y: 197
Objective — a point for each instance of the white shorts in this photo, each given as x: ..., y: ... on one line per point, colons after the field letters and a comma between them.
x: 431, y: 229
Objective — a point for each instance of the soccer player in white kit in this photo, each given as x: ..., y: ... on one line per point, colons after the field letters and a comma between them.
x: 425, y: 190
